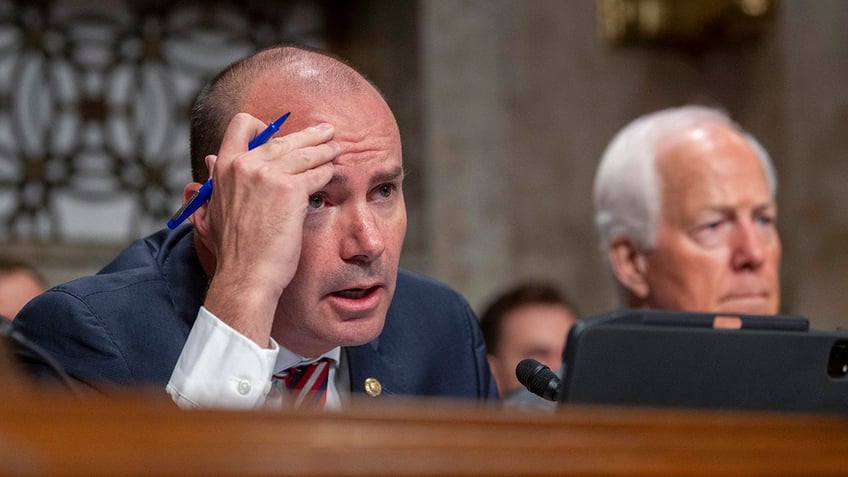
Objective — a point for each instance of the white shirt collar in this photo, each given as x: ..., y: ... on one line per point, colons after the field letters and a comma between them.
x: 288, y: 359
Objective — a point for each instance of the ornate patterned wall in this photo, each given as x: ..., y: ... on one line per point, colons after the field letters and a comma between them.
x: 94, y: 98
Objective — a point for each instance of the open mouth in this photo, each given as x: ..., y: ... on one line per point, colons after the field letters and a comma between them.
x: 355, y: 293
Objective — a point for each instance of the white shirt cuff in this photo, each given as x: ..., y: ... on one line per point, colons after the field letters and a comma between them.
x: 220, y: 367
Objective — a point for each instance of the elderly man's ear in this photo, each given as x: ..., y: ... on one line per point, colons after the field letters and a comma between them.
x: 630, y: 266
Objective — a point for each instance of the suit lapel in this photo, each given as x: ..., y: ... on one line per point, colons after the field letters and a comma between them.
x: 374, y: 373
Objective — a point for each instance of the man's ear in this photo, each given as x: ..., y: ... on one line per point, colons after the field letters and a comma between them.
x: 198, y: 218
x: 630, y: 266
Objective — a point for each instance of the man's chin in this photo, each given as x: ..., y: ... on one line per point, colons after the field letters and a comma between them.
x: 361, y: 330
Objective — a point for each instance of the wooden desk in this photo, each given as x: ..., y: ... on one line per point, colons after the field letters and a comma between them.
x: 122, y: 435
x: 46, y: 432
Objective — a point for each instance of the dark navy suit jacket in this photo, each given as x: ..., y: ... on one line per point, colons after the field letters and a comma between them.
x: 128, y: 323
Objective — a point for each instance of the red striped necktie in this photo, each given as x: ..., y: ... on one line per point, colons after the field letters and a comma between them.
x: 307, y: 384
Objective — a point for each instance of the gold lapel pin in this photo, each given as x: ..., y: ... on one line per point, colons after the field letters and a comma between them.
x: 373, y: 387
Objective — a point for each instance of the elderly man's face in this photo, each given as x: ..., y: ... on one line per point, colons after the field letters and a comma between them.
x: 717, y: 247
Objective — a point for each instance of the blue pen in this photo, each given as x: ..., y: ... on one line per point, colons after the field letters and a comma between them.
x: 205, y: 192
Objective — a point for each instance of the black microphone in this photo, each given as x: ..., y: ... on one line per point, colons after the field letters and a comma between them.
x: 538, y: 379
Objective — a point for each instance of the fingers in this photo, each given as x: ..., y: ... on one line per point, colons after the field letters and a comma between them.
x: 316, y: 178
x: 253, y: 223
x: 301, y: 150
x: 244, y: 127
x: 304, y: 159
x: 311, y: 136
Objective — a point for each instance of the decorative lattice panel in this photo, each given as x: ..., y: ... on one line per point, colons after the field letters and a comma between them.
x: 94, y: 101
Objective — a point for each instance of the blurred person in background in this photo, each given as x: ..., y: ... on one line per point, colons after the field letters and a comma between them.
x: 528, y: 320
x: 20, y: 282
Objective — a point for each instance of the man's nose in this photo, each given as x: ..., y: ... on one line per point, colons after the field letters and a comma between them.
x: 363, y: 240
x: 749, y: 246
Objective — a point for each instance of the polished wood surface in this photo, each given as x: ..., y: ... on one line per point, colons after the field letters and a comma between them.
x: 45, y: 432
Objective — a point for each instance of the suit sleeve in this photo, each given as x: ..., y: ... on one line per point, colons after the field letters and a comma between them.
x: 72, y: 336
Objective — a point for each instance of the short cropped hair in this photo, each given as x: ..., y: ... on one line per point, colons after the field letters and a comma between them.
x: 222, y: 97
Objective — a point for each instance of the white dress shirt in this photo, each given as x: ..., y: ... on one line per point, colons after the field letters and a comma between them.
x: 220, y: 367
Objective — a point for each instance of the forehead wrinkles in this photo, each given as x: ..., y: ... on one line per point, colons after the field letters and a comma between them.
x: 379, y: 176
x: 365, y: 145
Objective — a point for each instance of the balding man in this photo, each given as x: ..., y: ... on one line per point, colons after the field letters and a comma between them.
x: 289, y: 274
x: 686, y: 213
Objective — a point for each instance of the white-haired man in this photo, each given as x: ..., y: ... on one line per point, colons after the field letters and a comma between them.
x: 686, y: 213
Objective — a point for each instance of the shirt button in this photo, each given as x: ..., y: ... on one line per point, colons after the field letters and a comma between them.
x: 243, y: 387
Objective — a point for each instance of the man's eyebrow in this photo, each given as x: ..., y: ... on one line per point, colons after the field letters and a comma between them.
x: 765, y: 208
x: 388, y: 176
x: 381, y: 176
